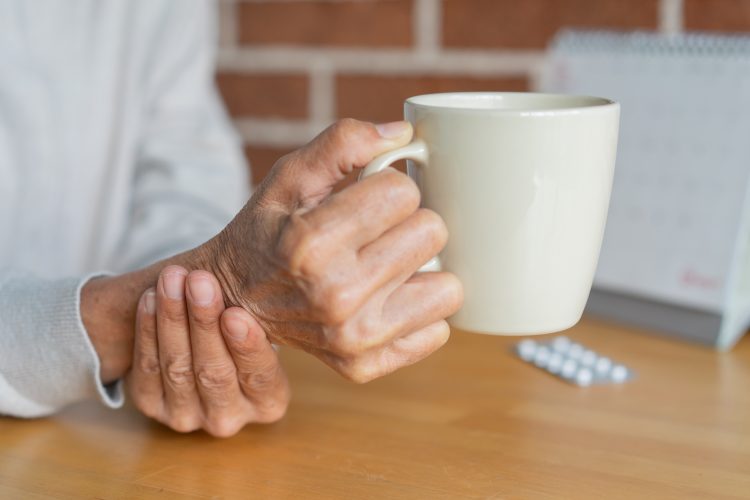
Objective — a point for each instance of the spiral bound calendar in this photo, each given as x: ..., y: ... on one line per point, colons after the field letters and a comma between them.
x: 675, y: 255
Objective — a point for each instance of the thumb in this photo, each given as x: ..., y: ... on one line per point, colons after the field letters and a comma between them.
x: 308, y: 175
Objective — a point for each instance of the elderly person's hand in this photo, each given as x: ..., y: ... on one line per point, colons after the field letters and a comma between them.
x: 334, y: 274
x: 197, y: 365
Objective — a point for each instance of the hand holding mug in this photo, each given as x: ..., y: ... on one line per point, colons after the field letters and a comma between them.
x: 334, y: 274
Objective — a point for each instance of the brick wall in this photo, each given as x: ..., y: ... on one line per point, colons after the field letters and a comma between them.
x: 288, y: 68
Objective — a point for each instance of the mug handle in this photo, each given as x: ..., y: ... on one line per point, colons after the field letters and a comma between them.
x: 417, y: 152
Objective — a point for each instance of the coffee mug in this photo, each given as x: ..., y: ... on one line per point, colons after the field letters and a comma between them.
x: 522, y: 182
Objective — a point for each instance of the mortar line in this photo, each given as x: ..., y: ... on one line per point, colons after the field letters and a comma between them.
x: 427, y: 26
x: 671, y: 16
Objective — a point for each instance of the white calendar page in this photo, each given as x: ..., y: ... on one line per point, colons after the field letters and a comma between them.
x: 683, y: 159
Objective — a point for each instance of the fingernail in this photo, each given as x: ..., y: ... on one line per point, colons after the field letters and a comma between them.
x: 237, y: 329
x: 392, y: 130
x: 149, y: 302
x: 201, y: 290
x: 174, y: 285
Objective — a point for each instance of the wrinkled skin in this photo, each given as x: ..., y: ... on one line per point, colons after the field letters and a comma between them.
x: 334, y: 274
x: 198, y: 365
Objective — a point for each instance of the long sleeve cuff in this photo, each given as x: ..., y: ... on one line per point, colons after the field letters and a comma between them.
x: 47, y: 359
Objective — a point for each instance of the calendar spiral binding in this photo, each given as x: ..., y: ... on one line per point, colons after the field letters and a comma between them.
x: 647, y: 43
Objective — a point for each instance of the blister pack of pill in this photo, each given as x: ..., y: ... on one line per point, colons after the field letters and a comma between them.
x: 572, y: 362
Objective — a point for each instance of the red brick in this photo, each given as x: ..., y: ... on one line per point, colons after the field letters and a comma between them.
x: 276, y: 95
x: 717, y: 15
x: 381, y: 98
x: 385, y: 23
x: 532, y: 23
x: 262, y: 159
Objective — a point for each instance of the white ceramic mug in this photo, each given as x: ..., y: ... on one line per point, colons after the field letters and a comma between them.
x: 522, y: 181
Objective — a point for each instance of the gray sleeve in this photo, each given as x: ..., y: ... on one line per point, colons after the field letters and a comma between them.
x: 46, y: 358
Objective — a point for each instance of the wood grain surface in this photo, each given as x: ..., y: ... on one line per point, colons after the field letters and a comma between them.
x: 470, y: 422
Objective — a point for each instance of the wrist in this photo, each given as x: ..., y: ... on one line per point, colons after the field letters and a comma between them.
x: 215, y: 257
x: 113, y: 343
x: 108, y: 304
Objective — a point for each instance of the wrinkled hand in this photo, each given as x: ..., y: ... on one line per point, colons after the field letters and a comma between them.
x: 333, y: 274
x: 197, y: 365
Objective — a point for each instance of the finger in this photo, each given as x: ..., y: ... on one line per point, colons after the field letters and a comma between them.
x: 261, y: 377
x: 308, y: 175
x: 365, y: 210
x: 401, y: 352
x: 338, y: 287
x: 414, y: 347
x: 175, y: 354
x: 424, y: 299
x: 215, y: 374
x: 144, y: 380
x: 400, y: 252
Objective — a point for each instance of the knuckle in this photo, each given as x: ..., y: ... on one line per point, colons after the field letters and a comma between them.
x: 455, y: 292
x: 336, y: 303
x: 145, y: 327
x: 441, y: 334
x: 183, y: 423
x: 283, y: 169
x: 178, y: 372
x: 356, y: 370
x: 205, y: 320
x: 343, y: 128
x: 434, y: 227
x: 302, y: 248
x: 149, y: 365
x: 223, y: 427
x: 400, y: 190
x: 359, y: 374
x: 435, y: 336
x: 347, y: 137
x: 352, y: 340
x: 217, y: 378
x: 260, y: 381
x: 272, y: 411
x: 344, y: 345
x: 286, y: 159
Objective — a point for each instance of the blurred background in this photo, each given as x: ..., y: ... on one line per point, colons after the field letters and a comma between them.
x: 287, y: 68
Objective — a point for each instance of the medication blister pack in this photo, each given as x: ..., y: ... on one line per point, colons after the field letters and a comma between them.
x: 572, y: 362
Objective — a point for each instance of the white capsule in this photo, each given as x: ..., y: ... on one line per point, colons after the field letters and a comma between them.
x: 619, y: 373
x: 527, y: 349
x: 584, y: 377
x: 555, y: 362
x: 588, y: 358
x: 561, y: 344
x: 603, y: 365
x: 569, y: 368
x: 575, y: 351
x: 542, y: 356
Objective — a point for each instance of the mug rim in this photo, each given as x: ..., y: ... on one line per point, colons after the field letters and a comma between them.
x: 578, y: 103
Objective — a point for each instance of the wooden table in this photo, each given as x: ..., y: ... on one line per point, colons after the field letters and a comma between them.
x: 470, y: 422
